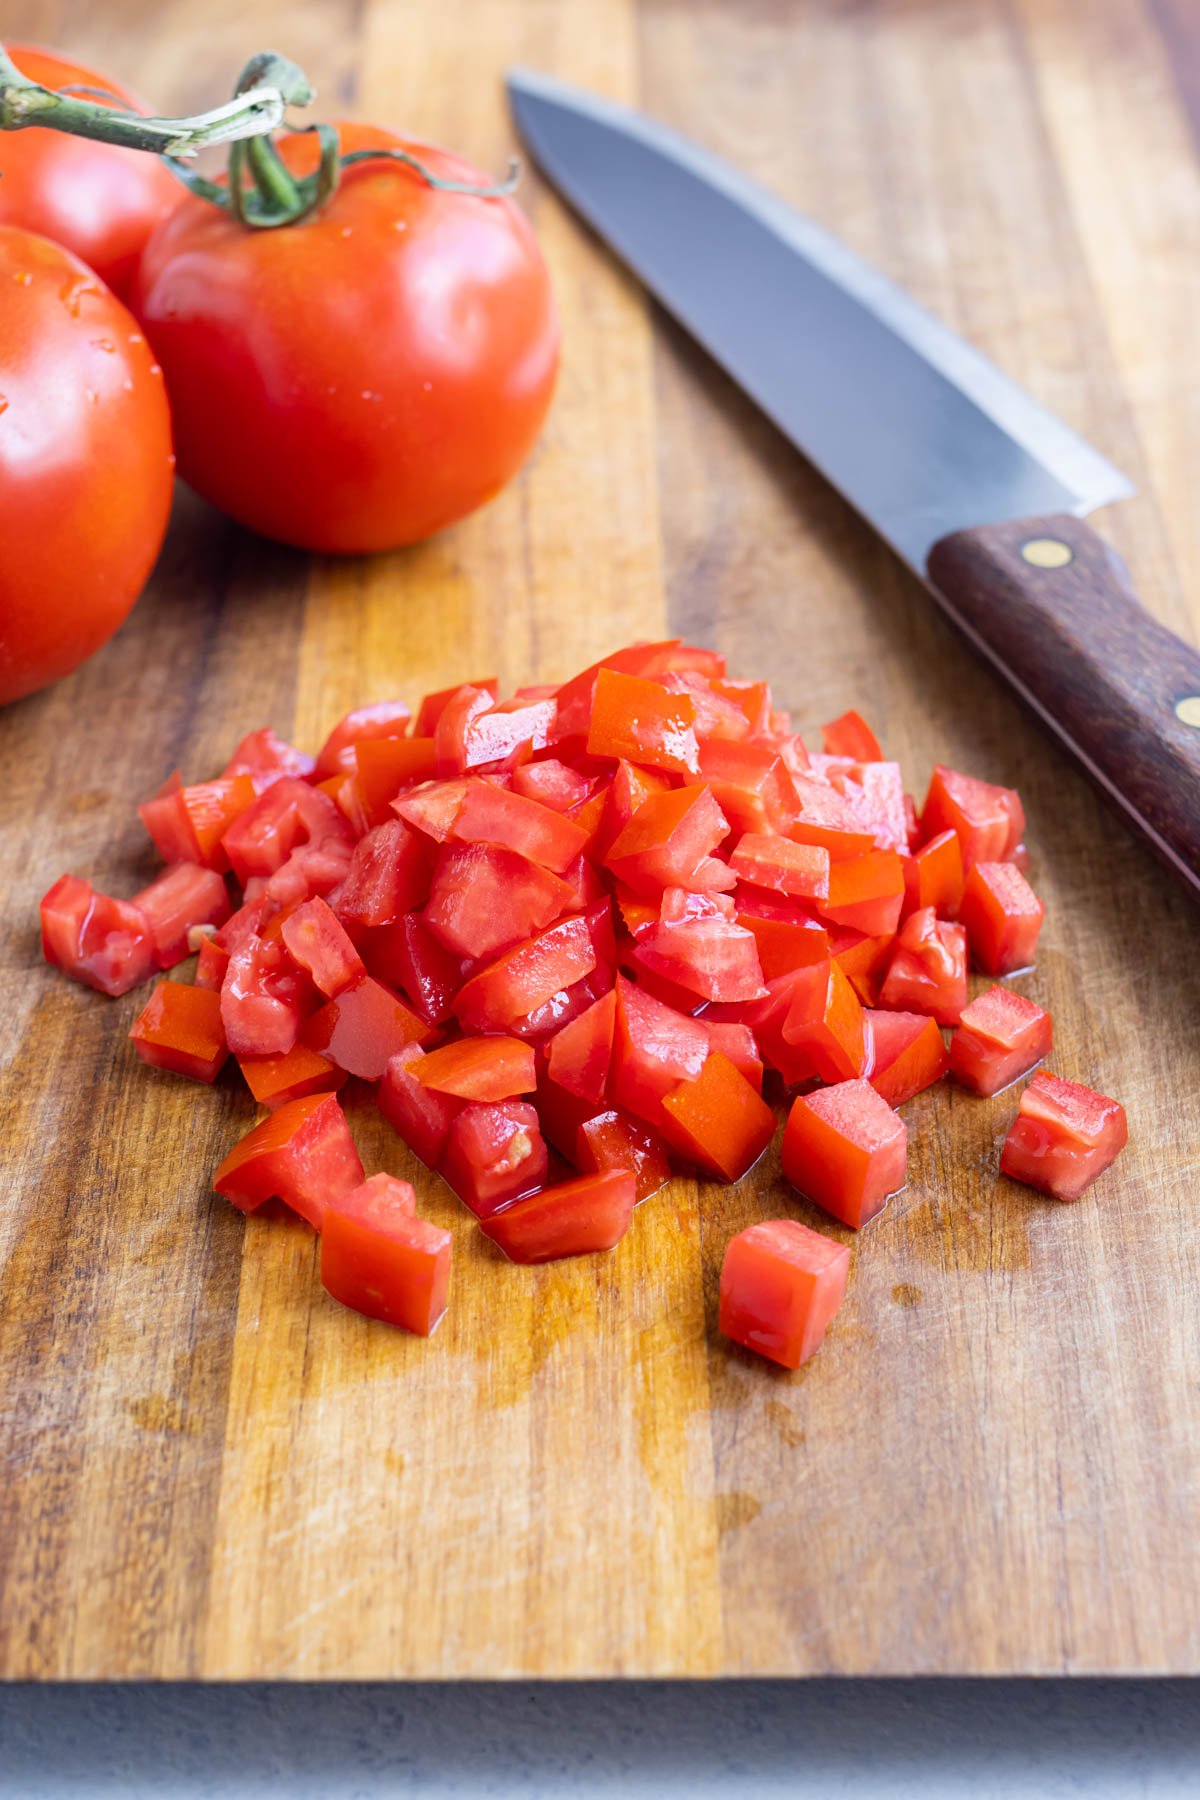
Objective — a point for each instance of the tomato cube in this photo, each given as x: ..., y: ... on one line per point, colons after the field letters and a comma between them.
x: 211, y: 965
x: 265, y: 999
x: 828, y: 821
x: 774, y: 862
x: 698, y: 944
x: 642, y: 722
x: 579, y: 1055
x: 751, y: 785
x: 616, y: 1140
x: 906, y: 1054
x: 407, y: 956
x: 491, y: 815
x: 718, y: 1121
x: 865, y: 893
x: 928, y: 969
x: 267, y: 759
x: 863, y: 961
x: 179, y: 1028
x: 1001, y: 1037
x: 527, y: 977
x: 781, y: 1285
x: 552, y: 783
x: 1063, y: 1137
x: 383, y: 766
x: 574, y: 1218
x: 388, y: 877
x: 846, y: 1149
x: 364, y: 1028
x: 380, y: 1259
x: 434, y: 705
x: 318, y: 942
x: 183, y: 896
x: 288, y: 813
x: 989, y: 820
x: 483, y: 900
x: 274, y: 1080
x: 420, y: 1115
x: 479, y: 1068
x: 933, y: 876
x: 654, y: 1049
x: 494, y: 1154
x: 382, y: 719
x: 106, y: 943
x: 850, y: 735
x: 783, y: 945
x: 303, y: 1154
x: 186, y: 824
x: 1003, y: 917
x: 669, y: 842
x: 824, y: 1022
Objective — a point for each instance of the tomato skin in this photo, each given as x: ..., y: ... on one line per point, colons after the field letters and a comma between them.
x: 780, y: 1286
x: 85, y: 462
x: 420, y: 1115
x: 98, y: 200
x: 846, y: 1149
x: 378, y: 1257
x: 363, y: 379
x: 180, y: 1029
x: 718, y: 1121
x: 483, y: 1068
x: 303, y: 1154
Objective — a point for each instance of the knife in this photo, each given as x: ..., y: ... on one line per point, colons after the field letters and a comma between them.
x: 977, y: 488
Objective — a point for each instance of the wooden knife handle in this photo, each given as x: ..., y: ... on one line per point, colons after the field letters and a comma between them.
x: 1050, y: 604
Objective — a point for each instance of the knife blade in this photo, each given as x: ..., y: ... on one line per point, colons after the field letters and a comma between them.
x: 976, y: 486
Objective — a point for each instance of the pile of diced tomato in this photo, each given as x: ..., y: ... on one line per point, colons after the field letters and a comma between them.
x: 569, y: 939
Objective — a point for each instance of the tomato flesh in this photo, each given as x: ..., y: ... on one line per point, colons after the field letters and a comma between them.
x: 989, y: 820
x: 928, y: 969
x: 378, y: 1257
x: 1063, y: 1137
x: 303, y: 1155
x: 1001, y: 1037
x: 575, y: 1218
x: 318, y: 942
x: 846, y: 1149
x: 907, y: 1054
x: 718, y: 1121
x: 1002, y: 916
x: 184, y: 896
x: 781, y: 1285
x: 494, y: 1154
x: 483, y: 1068
x: 364, y: 1028
x: 616, y: 1140
x: 180, y: 1029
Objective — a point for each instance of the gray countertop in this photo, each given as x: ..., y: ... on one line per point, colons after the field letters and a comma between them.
x: 841, y: 1740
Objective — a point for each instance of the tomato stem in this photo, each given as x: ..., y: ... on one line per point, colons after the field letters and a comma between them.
x: 249, y: 114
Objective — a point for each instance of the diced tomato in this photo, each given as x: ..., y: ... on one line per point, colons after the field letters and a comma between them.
x: 1001, y: 1037
x: 750, y: 783
x: 863, y: 961
x: 828, y: 821
x: 654, y: 1049
x: 187, y: 824
x: 865, y: 893
x: 274, y: 1080
x: 506, y: 735
x: 183, y: 896
x: 420, y: 1115
x: 766, y: 1019
x: 781, y: 1285
x: 266, y: 758
x: 846, y: 1149
x: 382, y: 719
x: 179, y: 1029
x: 738, y: 1043
x: 629, y: 789
x: 364, y: 1027
x: 754, y: 699
x: 494, y: 1154
x: 303, y: 1155
x: 580, y: 1054
x: 554, y: 784
x: 641, y: 721
x: 318, y: 866
x: 783, y: 945
x: 106, y: 943
x: 616, y: 1140
x: 577, y: 696
x: 561, y: 1115
x: 802, y: 870
x: 317, y: 940
x: 718, y: 1121
x: 484, y: 900
x: 851, y: 736
x: 264, y: 999
x: 288, y: 813
x: 482, y: 1068
x: 575, y: 1218
x: 875, y: 793
x: 388, y: 877
x: 907, y: 1054
x: 698, y: 944
x: 989, y: 820
x: 434, y: 705
x: 242, y: 926
x: 1002, y: 916
x: 378, y: 1257
x: 1063, y: 1137
x: 211, y: 965
x: 719, y: 718
x: 933, y: 876
x: 825, y: 1022
x: 491, y: 815
x: 928, y: 970
x: 407, y: 956
x: 523, y: 979
x: 669, y: 843
x: 383, y: 766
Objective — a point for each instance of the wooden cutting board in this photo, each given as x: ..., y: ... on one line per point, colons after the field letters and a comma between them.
x: 207, y: 1468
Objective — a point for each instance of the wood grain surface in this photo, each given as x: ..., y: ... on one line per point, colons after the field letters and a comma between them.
x: 209, y: 1469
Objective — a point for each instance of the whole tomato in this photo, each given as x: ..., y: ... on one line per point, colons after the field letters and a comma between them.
x: 85, y: 461
x: 100, y: 201
x: 356, y: 381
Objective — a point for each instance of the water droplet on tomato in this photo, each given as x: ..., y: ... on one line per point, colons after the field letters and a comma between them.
x: 400, y: 225
x: 347, y: 230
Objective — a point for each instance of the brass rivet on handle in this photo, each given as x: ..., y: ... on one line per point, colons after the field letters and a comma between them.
x: 1047, y: 553
x: 1187, y: 710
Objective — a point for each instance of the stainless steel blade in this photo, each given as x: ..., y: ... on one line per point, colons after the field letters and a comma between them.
x: 921, y: 434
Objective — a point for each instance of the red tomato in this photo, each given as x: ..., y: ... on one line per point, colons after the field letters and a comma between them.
x: 846, y: 1149
x: 105, y: 943
x: 100, y: 201
x: 493, y: 1154
x: 274, y: 1080
x: 1063, y: 1137
x: 420, y: 1115
x: 364, y: 1028
x: 303, y: 1154
x: 780, y: 1286
x: 907, y: 1054
x: 579, y: 1055
x: 85, y: 461
x: 185, y: 895
x: 319, y: 944
x: 180, y: 1029
x: 484, y: 1068
x: 1001, y: 1037
x: 616, y: 1140
x: 718, y: 1121
x: 379, y: 1258
x: 928, y: 969
x: 575, y: 1218
x: 363, y: 379
x: 1002, y: 917
x: 825, y: 1022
